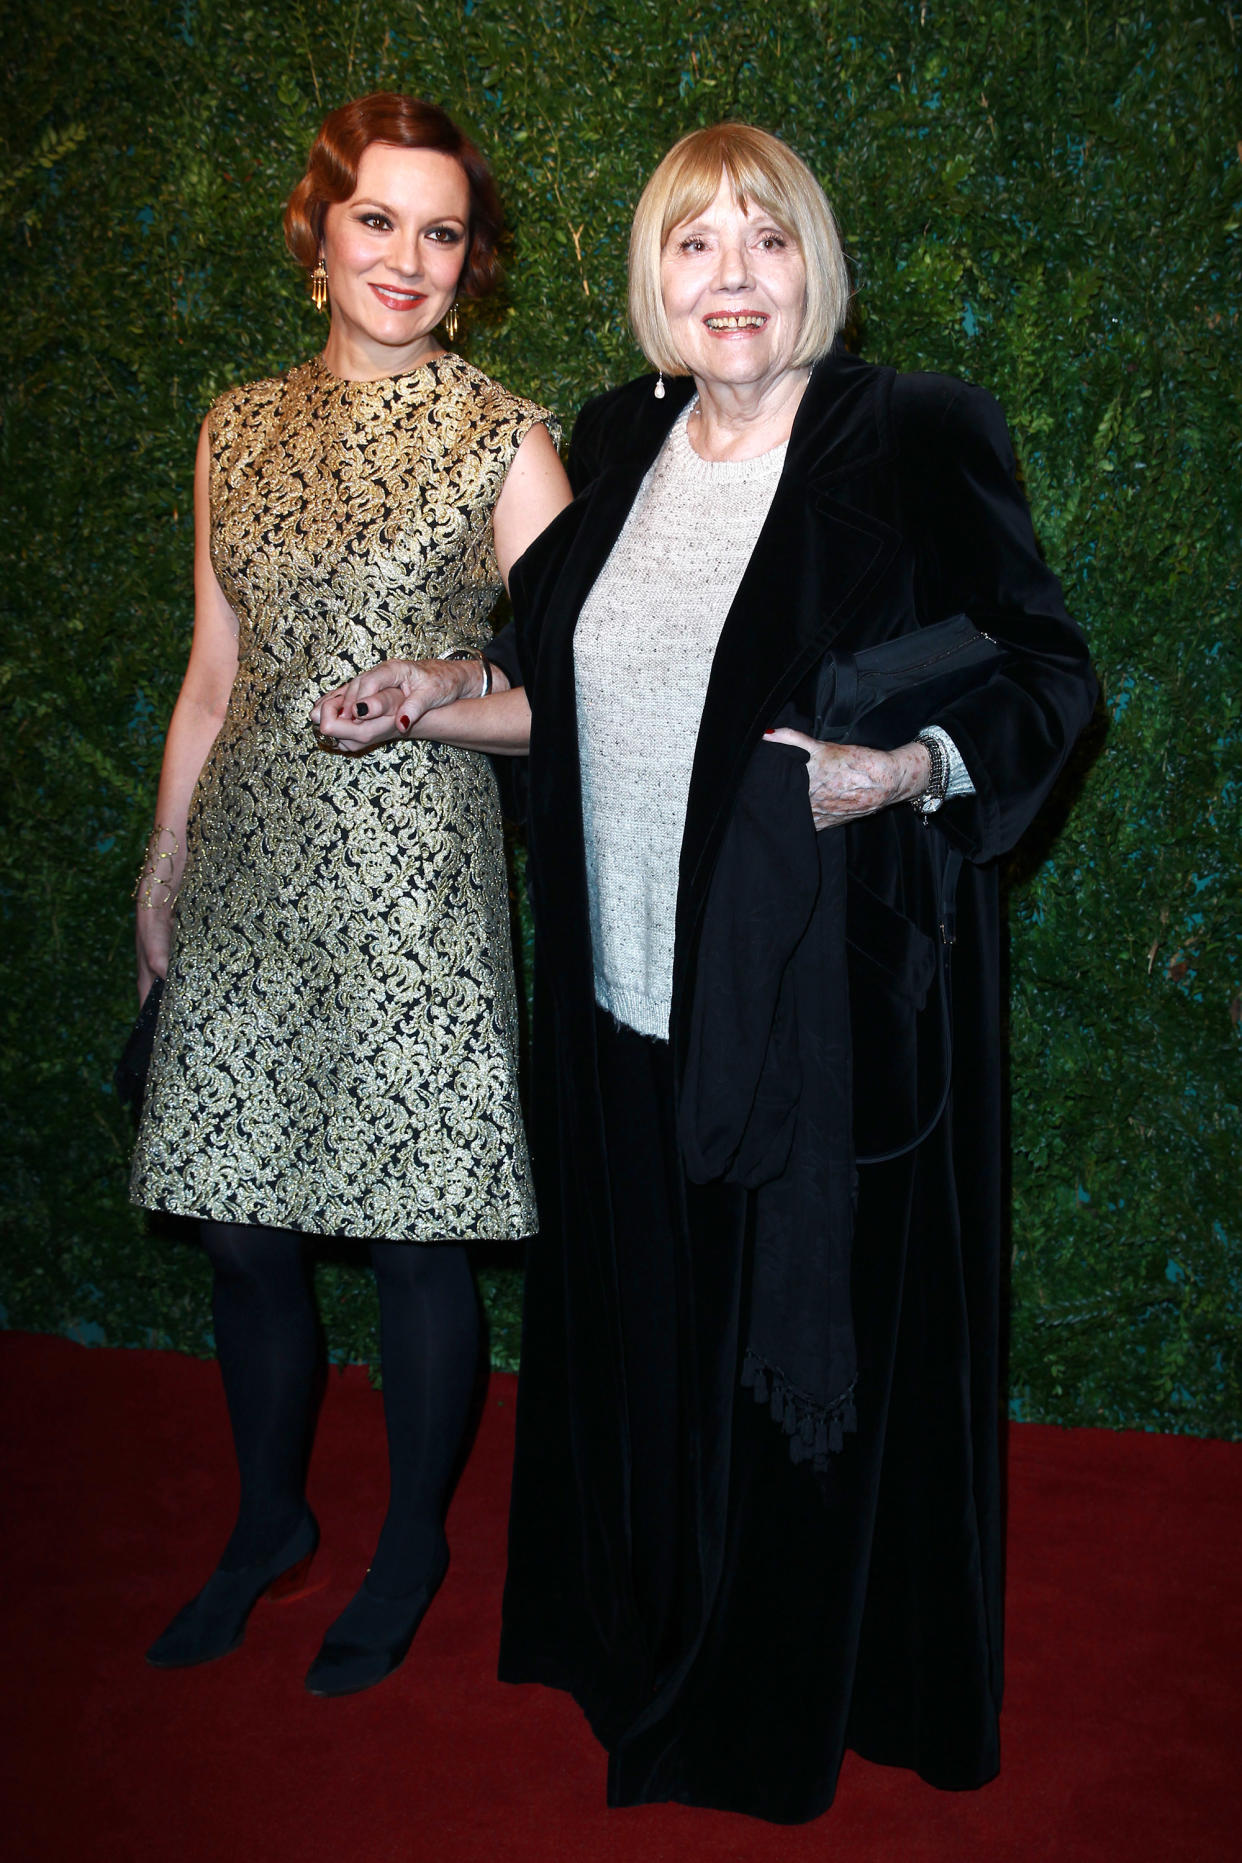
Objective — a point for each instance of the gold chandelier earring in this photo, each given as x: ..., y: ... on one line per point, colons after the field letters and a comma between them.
x: 319, y: 284
x: 450, y: 323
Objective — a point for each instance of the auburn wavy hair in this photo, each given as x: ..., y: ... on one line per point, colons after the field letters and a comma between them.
x: 408, y: 123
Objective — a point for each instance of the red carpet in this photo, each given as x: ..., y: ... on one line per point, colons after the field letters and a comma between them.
x: 1123, y: 1725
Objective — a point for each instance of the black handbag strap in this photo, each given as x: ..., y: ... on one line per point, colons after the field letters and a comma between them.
x: 947, y: 924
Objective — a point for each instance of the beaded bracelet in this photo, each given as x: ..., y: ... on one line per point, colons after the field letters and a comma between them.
x: 936, y: 787
x: 149, y: 874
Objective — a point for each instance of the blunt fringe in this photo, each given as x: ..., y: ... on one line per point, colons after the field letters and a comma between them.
x: 407, y: 123
x: 761, y: 171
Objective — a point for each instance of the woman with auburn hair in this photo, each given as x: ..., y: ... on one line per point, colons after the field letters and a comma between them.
x: 336, y: 1051
x: 798, y: 676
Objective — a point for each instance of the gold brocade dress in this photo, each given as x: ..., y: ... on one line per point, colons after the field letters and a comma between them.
x: 337, y: 1045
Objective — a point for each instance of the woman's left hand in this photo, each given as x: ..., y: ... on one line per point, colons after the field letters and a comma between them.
x: 383, y: 710
x: 387, y: 700
x: 848, y: 781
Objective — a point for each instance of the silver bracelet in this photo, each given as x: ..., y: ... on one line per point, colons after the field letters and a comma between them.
x: 936, y: 787
x: 474, y: 653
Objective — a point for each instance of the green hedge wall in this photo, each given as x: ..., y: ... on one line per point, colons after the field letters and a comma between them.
x: 1043, y: 197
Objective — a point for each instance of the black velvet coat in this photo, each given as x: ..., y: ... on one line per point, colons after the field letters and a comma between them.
x: 862, y: 1608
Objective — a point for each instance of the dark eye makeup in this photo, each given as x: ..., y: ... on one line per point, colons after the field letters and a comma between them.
x: 377, y: 222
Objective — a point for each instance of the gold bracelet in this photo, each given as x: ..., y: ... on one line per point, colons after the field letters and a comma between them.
x: 149, y: 874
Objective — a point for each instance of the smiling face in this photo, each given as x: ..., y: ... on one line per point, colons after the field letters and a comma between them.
x: 394, y: 253
x: 733, y: 285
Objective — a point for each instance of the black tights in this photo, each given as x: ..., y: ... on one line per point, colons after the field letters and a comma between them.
x: 267, y: 1341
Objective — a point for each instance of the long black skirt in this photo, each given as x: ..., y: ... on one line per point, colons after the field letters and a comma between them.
x: 729, y: 1622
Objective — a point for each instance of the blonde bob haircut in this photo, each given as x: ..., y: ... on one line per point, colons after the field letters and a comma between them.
x: 762, y: 172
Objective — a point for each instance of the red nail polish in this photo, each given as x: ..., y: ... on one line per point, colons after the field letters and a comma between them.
x: 770, y: 733
x: 404, y: 722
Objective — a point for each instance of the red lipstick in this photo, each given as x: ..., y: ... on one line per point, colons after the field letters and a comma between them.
x: 395, y: 297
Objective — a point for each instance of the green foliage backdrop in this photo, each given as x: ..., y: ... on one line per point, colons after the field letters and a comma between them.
x: 1044, y: 197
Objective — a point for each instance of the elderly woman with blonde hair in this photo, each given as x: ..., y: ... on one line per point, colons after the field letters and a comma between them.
x: 797, y: 676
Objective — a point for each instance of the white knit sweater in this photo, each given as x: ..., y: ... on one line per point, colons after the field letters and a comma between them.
x: 643, y: 651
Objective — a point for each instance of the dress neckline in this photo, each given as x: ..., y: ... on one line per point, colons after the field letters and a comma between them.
x: 379, y: 383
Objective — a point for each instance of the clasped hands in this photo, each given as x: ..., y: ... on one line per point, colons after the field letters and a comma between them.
x: 391, y: 699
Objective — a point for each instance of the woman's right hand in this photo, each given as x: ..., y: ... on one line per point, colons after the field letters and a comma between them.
x: 153, y: 939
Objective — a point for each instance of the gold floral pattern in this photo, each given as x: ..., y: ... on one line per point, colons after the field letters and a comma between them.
x: 337, y: 1046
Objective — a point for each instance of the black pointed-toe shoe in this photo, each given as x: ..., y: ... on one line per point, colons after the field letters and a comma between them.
x: 214, y: 1622
x: 370, y: 1638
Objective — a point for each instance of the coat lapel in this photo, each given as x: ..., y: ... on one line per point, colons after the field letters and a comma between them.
x: 819, y: 555
x: 550, y: 585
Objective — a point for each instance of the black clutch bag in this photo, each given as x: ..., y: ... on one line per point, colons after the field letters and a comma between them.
x: 899, y: 984
x: 130, y: 1077
x: 883, y: 696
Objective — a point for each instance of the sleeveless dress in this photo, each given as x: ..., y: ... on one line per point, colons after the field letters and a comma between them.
x: 337, y: 1044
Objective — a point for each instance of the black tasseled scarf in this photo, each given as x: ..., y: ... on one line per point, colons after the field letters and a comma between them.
x: 765, y: 1093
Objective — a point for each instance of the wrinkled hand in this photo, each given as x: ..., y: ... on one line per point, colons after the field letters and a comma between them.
x: 387, y: 701
x: 847, y: 781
